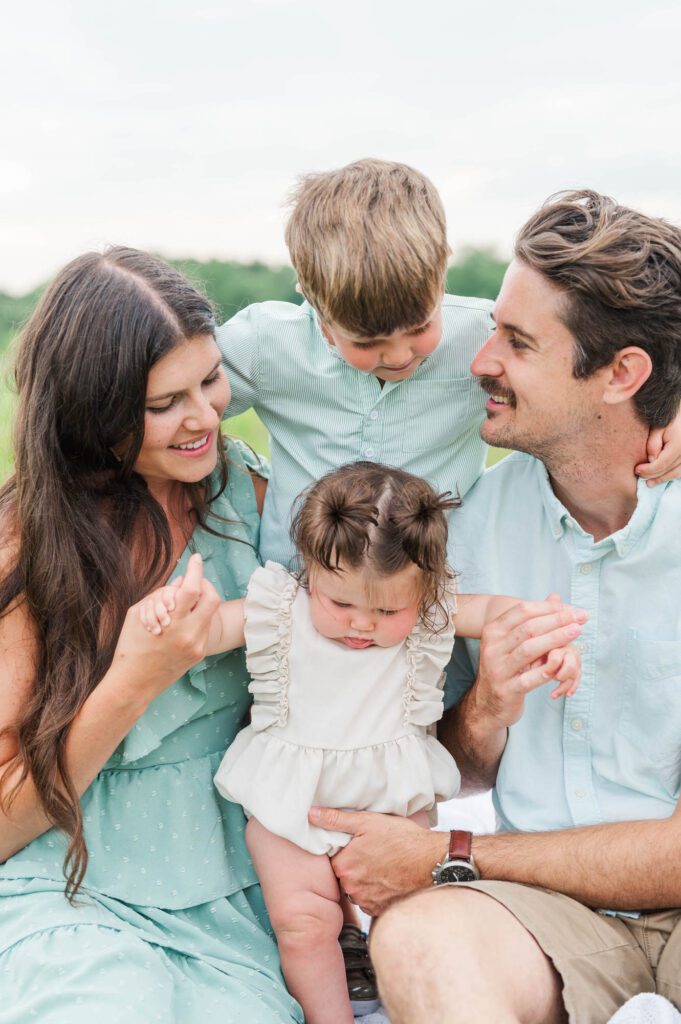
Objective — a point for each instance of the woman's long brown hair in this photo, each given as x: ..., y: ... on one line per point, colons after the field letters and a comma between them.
x: 73, y: 510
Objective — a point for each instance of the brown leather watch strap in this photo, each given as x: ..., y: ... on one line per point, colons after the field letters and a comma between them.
x: 460, y: 844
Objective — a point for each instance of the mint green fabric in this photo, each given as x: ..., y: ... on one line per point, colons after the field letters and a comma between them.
x: 321, y: 413
x: 171, y: 925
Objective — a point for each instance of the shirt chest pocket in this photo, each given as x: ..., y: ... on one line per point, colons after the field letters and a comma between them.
x: 651, y: 712
x: 436, y: 411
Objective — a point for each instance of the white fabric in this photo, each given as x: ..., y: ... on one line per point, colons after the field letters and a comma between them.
x: 331, y: 725
x: 645, y: 1008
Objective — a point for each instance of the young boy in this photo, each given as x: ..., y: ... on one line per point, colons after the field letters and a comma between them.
x: 375, y: 363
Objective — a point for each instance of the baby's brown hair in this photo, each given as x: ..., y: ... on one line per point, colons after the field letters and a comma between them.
x: 382, y: 519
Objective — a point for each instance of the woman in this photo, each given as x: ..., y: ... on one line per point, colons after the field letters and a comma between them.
x: 126, y: 889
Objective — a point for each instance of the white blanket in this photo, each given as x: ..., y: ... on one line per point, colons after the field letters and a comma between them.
x: 647, y: 1008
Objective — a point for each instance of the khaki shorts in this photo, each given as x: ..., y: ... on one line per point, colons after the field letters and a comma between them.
x: 602, y: 960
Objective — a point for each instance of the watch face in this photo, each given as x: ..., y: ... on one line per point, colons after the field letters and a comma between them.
x: 455, y: 872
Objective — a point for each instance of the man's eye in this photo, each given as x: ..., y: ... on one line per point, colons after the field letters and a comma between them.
x: 516, y: 343
x: 213, y: 377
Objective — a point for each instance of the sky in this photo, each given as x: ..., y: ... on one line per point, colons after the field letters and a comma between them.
x: 181, y: 126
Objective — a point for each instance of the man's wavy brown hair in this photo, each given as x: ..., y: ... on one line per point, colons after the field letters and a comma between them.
x: 380, y: 519
x: 620, y: 271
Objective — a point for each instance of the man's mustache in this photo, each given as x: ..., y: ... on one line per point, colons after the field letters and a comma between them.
x: 493, y: 387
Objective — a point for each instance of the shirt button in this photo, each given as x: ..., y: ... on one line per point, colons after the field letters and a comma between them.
x: 580, y: 793
x: 369, y: 452
x: 576, y: 724
x: 585, y: 569
x: 373, y: 415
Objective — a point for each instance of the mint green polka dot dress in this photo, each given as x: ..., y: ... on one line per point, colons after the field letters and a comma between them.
x: 170, y: 925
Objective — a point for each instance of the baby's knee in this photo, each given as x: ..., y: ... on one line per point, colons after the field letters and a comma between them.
x: 307, y: 921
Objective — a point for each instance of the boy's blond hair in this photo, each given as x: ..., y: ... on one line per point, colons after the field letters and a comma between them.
x: 369, y: 245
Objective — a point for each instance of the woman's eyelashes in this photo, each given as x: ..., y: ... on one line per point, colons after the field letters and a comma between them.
x: 213, y: 379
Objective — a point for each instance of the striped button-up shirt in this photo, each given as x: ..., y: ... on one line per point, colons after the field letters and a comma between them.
x: 611, y: 752
x: 322, y: 413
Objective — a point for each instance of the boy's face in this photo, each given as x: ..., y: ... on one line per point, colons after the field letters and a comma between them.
x: 392, y: 358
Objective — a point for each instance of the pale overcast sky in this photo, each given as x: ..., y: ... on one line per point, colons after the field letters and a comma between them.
x: 180, y: 126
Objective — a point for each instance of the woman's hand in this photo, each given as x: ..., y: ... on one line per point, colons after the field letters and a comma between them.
x: 152, y: 661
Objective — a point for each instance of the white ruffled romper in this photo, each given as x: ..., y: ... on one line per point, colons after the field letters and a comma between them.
x: 332, y: 726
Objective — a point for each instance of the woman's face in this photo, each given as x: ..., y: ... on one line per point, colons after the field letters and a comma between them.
x: 187, y: 393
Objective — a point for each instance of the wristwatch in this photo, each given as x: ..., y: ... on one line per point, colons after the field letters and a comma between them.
x: 457, y: 864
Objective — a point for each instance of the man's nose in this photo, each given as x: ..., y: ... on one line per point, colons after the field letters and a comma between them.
x: 487, y: 362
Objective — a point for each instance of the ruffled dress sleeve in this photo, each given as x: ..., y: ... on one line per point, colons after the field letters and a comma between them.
x: 428, y: 654
x: 269, y: 600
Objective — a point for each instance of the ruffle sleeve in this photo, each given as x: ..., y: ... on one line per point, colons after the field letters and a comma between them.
x: 428, y: 654
x: 267, y: 611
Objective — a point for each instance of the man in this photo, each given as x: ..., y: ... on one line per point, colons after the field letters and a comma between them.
x: 584, y: 360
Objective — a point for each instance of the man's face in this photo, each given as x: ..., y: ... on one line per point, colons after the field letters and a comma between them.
x: 535, y: 404
x: 392, y: 358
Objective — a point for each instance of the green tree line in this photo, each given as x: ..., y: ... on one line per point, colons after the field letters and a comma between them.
x: 231, y: 286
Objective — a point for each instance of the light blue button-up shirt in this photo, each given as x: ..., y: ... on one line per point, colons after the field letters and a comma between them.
x: 322, y: 413
x: 612, y: 752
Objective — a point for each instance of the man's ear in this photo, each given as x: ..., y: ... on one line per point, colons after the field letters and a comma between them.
x: 627, y: 374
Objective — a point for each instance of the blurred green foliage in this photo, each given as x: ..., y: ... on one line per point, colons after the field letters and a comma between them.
x: 476, y: 272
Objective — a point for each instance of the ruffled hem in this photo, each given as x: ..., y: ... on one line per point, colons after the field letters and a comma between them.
x: 277, y: 782
x: 189, y: 850
x: 428, y: 654
x: 271, y: 592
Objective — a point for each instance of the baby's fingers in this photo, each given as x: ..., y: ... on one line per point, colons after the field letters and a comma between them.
x: 568, y: 673
x: 148, y: 615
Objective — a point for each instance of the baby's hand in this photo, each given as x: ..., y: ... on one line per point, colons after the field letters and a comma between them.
x: 156, y: 609
x: 564, y: 664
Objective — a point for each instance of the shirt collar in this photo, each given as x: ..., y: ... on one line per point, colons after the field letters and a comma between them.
x: 647, y: 502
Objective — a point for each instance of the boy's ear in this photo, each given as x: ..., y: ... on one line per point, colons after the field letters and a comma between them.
x: 627, y: 374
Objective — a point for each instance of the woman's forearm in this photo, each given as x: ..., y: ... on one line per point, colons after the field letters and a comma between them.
x: 100, y: 726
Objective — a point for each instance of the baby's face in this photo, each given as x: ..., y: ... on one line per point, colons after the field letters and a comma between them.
x: 360, y: 610
x: 392, y: 358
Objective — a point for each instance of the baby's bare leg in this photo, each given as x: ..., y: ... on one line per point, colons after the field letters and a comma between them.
x: 303, y: 901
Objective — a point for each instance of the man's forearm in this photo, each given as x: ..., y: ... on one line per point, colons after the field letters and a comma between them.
x: 475, y: 740
x: 631, y: 865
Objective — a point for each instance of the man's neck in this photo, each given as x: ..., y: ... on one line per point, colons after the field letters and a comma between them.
x: 597, y: 483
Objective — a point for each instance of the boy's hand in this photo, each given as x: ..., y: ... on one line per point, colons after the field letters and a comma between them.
x: 664, y: 454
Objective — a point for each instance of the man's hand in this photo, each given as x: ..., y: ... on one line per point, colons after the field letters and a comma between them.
x: 518, y: 654
x: 388, y: 857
